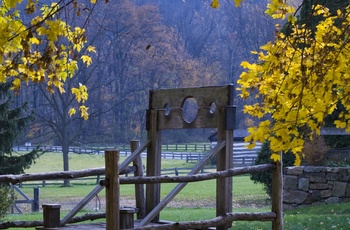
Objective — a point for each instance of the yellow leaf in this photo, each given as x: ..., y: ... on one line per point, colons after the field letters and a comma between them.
x: 72, y: 111
x: 16, y: 84
x: 91, y: 49
x: 93, y: 1
x: 215, y: 4
x: 84, y: 112
x: 297, y: 161
x: 86, y: 59
x: 238, y: 2
x: 275, y: 157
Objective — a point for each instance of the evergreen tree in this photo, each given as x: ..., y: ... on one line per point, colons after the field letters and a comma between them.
x: 12, y: 122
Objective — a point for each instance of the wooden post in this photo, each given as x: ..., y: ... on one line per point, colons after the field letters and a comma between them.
x: 139, y: 188
x: 277, y: 195
x: 51, y: 214
x: 112, y: 190
x: 127, y: 218
x: 225, y: 127
x: 35, y: 201
x: 153, y: 163
x: 224, y: 162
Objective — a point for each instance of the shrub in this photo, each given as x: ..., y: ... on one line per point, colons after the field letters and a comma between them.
x: 5, y: 199
x: 314, y: 151
x: 263, y: 157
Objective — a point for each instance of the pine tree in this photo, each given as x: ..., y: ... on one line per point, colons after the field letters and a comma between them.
x: 12, y: 122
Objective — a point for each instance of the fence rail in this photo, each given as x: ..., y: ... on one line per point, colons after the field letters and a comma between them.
x: 190, y: 152
x: 238, y: 146
x: 112, y: 184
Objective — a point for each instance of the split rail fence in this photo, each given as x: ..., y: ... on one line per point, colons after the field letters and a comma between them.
x: 112, y: 183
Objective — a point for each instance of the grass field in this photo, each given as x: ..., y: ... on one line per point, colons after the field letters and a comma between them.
x: 196, y: 201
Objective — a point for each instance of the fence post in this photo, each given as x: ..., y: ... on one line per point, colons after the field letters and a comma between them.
x: 35, y: 202
x: 51, y: 213
x: 112, y: 190
x: 277, y: 195
x: 139, y: 188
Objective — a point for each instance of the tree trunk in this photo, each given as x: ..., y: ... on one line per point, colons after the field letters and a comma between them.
x: 65, y: 151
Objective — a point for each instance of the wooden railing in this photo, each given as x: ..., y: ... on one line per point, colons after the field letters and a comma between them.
x: 112, y: 182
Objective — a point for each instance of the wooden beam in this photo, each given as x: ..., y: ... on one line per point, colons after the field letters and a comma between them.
x: 139, y: 188
x: 197, y: 177
x: 217, y: 221
x: 154, y: 151
x: 112, y: 190
x: 134, y: 154
x: 151, y: 215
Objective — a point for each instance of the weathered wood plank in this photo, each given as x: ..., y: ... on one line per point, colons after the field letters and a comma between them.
x: 153, y: 163
x: 203, y: 95
x: 224, y: 162
x: 139, y: 188
x: 112, y: 190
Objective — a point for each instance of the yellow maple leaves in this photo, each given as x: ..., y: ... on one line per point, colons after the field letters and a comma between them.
x: 300, y: 80
x: 216, y: 3
x: 21, y: 59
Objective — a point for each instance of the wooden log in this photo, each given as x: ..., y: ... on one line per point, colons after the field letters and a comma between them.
x: 32, y: 224
x: 21, y: 224
x: 112, y: 190
x: 139, y: 188
x: 217, y: 221
x: 197, y: 177
x: 277, y: 195
x: 15, y: 179
x: 88, y: 216
x: 153, y: 162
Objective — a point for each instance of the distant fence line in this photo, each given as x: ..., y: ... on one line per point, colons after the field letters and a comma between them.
x: 189, y: 152
x: 126, y: 148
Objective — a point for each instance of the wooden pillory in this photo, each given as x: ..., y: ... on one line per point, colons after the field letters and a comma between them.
x: 166, y: 111
x: 215, y: 110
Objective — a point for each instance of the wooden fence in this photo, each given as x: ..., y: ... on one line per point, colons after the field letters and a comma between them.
x: 112, y: 182
x: 123, y: 148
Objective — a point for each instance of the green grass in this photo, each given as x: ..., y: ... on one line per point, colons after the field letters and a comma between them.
x: 51, y: 162
x: 196, y: 201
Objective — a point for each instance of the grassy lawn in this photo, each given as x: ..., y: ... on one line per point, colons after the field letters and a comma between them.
x: 196, y: 201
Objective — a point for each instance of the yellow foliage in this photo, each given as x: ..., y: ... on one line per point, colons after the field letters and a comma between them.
x: 300, y: 80
x: 275, y: 157
x: 215, y: 4
x: 22, y: 61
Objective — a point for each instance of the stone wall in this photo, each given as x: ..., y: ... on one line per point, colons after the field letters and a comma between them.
x: 309, y: 185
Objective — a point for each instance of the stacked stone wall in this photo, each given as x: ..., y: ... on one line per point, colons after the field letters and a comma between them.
x: 309, y: 185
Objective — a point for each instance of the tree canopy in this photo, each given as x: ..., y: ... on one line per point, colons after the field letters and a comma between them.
x: 300, y: 79
x: 37, y: 44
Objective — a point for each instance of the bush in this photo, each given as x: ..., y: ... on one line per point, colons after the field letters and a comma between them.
x: 314, y: 151
x: 263, y: 157
x: 5, y: 199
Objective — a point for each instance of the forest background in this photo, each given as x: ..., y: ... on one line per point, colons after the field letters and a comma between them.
x: 143, y: 45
